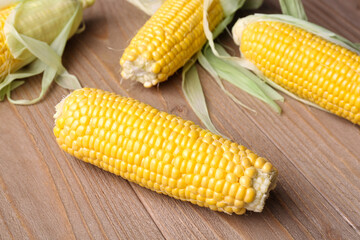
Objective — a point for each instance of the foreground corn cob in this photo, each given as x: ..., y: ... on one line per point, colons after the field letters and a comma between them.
x: 303, y: 63
x: 168, y: 40
x: 162, y: 152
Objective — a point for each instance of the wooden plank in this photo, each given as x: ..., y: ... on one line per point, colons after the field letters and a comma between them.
x: 46, y: 193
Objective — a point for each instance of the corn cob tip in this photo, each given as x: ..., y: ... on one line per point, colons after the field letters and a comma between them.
x: 263, y: 183
x: 87, y: 3
x: 239, y: 27
x: 140, y: 70
x: 59, y: 108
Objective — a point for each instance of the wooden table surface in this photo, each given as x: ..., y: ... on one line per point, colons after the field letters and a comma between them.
x: 48, y: 194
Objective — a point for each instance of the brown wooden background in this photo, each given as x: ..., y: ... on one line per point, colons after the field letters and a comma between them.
x: 47, y: 194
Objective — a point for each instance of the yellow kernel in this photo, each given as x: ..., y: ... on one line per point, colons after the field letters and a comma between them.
x: 200, y: 200
x: 189, y: 179
x: 237, y: 159
x: 241, y: 193
x: 167, y: 170
x: 228, y: 155
x: 252, y: 157
x: 250, y: 172
x: 197, y: 180
x: 175, y: 173
x: 233, y: 189
x: 239, y: 204
x: 57, y: 132
x: 229, y: 200
x: 211, y: 184
x: 259, y: 163
x: 220, y: 174
x: 246, y: 162
x: 210, y: 201
x: 181, y: 183
x: 250, y: 195
x: 228, y: 210
x: 202, y: 191
x: 231, y: 178
x: 223, y: 163
x: 239, y: 171
x: 245, y: 181
x: 172, y: 183
x: 219, y: 186
x: 240, y: 211
x: 221, y: 204
x: 217, y: 196
x: 267, y: 167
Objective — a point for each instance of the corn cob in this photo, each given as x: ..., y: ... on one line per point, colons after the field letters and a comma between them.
x: 168, y: 40
x: 162, y: 152
x: 303, y: 63
x: 39, y: 19
x: 7, y: 62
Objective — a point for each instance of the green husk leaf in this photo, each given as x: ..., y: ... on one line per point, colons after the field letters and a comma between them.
x: 293, y: 8
x: 252, y: 4
x: 230, y: 7
x: 242, y: 78
x: 194, y: 94
x: 274, y: 95
x: 147, y: 6
x: 209, y: 68
x: 10, y: 87
x: 48, y: 59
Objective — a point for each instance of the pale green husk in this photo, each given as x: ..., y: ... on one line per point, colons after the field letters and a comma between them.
x: 310, y: 27
x: 293, y: 8
x: 26, y: 44
x: 252, y: 4
x: 240, y: 77
x: 195, y: 96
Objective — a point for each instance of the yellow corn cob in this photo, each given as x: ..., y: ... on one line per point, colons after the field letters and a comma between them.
x: 7, y: 62
x: 39, y: 19
x: 168, y: 40
x: 162, y: 152
x: 304, y: 64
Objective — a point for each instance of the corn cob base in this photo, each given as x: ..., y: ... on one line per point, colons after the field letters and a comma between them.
x: 168, y: 40
x: 162, y: 152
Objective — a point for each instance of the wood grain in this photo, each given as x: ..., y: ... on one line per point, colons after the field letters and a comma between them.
x: 47, y: 194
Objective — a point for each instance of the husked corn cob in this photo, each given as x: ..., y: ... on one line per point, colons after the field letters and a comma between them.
x: 39, y: 19
x: 168, y: 40
x: 305, y: 64
x: 162, y: 152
